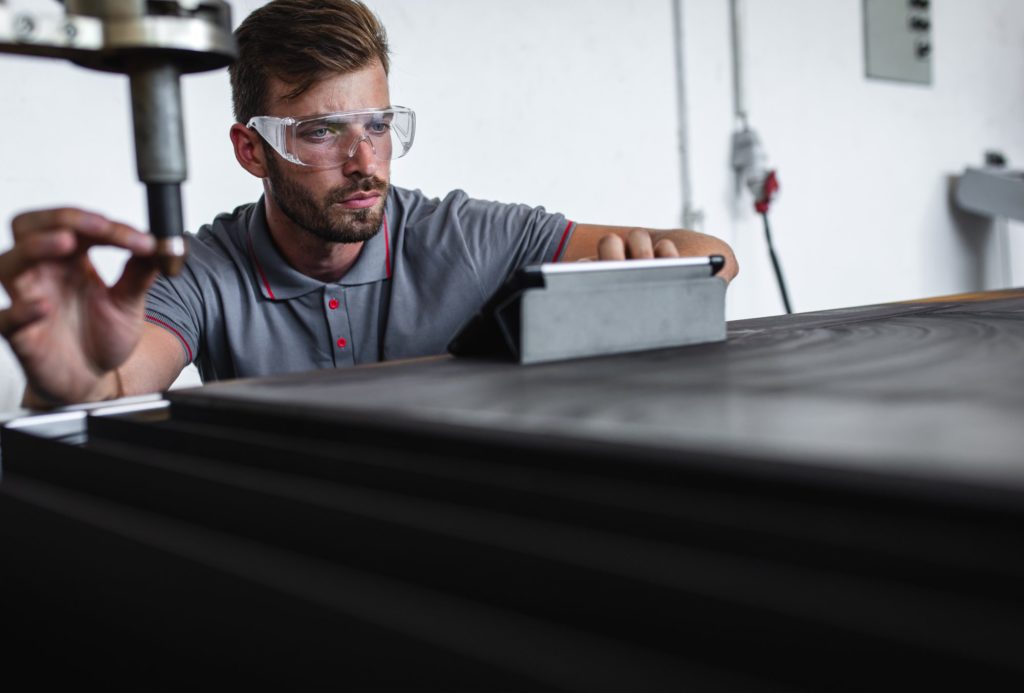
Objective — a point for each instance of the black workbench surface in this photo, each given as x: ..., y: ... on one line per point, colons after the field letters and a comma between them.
x: 821, y: 501
x: 930, y: 390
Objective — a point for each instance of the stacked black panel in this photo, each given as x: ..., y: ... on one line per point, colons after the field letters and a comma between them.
x: 480, y: 526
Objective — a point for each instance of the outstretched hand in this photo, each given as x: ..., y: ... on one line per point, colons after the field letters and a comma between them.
x: 638, y: 245
x: 596, y: 242
x: 66, y: 326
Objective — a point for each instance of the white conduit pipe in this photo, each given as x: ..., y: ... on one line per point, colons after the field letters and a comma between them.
x: 692, y: 218
x: 739, y: 92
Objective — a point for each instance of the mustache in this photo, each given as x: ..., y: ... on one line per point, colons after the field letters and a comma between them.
x: 371, y: 184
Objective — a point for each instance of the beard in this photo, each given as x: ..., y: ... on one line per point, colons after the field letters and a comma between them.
x: 327, y: 219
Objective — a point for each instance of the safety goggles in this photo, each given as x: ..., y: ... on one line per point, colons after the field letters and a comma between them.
x: 329, y: 140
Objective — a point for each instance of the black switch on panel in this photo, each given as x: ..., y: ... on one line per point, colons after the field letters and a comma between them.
x: 923, y: 49
x: 920, y: 24
x: 920, y: 4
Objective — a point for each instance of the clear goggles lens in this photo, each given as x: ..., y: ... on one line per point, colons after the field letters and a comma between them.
x: 332, y: 139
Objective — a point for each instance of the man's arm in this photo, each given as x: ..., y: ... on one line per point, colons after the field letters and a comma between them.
x: 77, y: 339
x: 596, y: 242
x: 152, y: 367
x: 155, y: 364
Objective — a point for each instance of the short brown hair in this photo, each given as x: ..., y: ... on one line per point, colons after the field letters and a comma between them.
x: 300, y: 41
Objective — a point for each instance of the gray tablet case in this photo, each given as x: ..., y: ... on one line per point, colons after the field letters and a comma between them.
x: 569, y: 310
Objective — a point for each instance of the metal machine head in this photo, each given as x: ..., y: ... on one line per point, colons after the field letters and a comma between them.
x: 154, y: 42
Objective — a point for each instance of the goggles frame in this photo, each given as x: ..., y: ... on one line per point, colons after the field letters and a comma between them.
x: 281, y: 133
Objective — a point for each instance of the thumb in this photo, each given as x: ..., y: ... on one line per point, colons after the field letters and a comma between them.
x: 139, y: 274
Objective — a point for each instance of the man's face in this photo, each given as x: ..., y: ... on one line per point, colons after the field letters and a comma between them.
x: 344, y: 204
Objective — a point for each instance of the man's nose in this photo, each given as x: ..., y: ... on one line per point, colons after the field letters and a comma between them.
x: 362, y: 157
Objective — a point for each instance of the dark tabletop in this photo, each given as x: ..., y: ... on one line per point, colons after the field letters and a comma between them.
x: 930, y: 388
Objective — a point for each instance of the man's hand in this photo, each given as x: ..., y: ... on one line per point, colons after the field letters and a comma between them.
x: 638, y: 245
x: 66, y: 326
x: 594, y: 242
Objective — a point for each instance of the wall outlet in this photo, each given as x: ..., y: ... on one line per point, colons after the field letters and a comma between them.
x: 898, y: 40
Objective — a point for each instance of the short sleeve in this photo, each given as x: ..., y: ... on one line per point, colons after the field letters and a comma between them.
x: 501, y: 238
x: 175, y: 304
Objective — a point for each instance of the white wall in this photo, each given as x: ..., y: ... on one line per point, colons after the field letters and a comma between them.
x: 571, y: 104
x: 864, y: 215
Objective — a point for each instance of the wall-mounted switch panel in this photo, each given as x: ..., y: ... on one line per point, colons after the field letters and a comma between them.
x: 898, y: 40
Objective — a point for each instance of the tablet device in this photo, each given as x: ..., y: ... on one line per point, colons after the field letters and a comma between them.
x: 496, y: 329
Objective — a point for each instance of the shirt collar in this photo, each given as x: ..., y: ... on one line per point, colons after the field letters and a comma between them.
x: 279, y: 281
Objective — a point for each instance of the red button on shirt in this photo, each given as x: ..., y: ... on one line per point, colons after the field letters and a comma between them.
x: 341, y: 342
x: 333, y: 304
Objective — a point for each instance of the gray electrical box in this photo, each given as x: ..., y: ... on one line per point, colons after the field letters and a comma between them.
x: 898, y: 40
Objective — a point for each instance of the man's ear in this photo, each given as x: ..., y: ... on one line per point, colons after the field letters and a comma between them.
x: 249, y: 150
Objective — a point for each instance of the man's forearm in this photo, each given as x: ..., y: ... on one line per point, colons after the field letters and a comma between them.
x: 108, y: 386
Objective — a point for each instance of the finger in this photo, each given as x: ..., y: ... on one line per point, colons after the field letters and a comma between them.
x: 94, y: 227
x: 139, y: 274
x: 28, y: 223
x: 611, y: 247
x: 22, y: 315
x: 639, y: 245
x: 124, y: 236
x: 35, y: 249
x: 665, y: 248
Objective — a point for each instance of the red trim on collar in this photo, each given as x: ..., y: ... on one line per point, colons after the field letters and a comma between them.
x: 387, y: 247
x: 177, y: 334
x: 561, y: 244
x: 266, y: 284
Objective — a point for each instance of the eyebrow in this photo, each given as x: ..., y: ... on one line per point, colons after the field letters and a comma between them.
x: 312, y: 116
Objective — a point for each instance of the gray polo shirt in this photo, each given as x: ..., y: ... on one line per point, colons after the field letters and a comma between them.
x: 240, y: 310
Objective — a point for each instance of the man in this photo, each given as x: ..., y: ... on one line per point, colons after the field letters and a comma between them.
x: 332, y: 267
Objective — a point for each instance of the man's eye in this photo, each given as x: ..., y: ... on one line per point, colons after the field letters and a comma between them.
x: 319, y: 134
x: 380, y: 128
